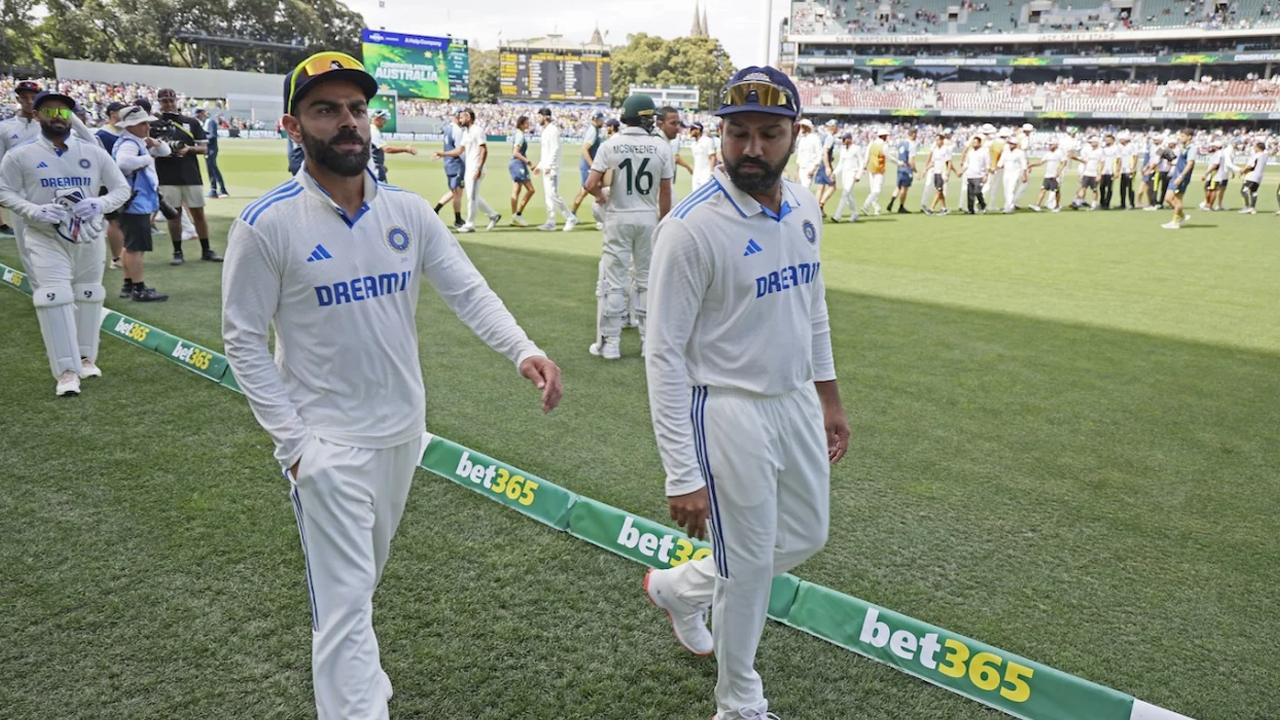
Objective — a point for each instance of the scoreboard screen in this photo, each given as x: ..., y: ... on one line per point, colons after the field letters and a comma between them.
x: 553, y: 75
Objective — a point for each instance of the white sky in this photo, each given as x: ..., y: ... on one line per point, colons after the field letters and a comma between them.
x: 737, y: 23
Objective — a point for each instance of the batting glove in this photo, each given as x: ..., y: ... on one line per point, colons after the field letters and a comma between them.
x: 51, y: 213
x: 88, y: 208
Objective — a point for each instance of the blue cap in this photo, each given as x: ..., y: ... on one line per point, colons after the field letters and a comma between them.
x: 598, y: 115
x: 46, y: 95
x: 765, y: 74
x: 697, y: 125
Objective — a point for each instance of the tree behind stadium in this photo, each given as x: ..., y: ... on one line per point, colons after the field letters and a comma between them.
x: 648, y: 59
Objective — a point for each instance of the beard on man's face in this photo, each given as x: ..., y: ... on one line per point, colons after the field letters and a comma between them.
x: 764, y: 177
x: 55, y: 129
x: 325, y: 153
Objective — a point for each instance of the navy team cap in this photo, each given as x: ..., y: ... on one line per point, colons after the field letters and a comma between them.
x: 762, y: 90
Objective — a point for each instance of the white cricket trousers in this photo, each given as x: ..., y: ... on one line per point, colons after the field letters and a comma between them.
x: 846, y: 198
x: 628, y: 247
x: 474, y: 201
x: 764, y: 460
x: 1012, y: 181
x: 551, y: 194
x: 348, y: 502
x: 66, y: 284
x: 875, y: 182
x: 993, y: 183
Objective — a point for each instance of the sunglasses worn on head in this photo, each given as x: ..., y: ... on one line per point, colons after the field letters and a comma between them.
x: 63, y: 113
x: 319, y: 64
x: 766, y: 94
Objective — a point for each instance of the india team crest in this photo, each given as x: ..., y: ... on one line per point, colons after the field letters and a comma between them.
x: 810, y: 232
x: 398, y: 239
x: 84, y: 163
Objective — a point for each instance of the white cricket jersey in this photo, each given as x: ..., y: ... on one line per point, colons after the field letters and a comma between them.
x: 848, y: 163
x: 342, y: 294
x: 1053, y: 161
x: 939, y: 157
x: 34, y: 173
x: 549, y: 149
x: 1259, y: 164
x: 808, y: 151
x: 15, y: 131
x: 1110, y: 159
x: 1224, y: 165
x: 472, y: 142
x: 736, y: 301
x: 976, y: 163
x: 1128, y: 158
x: 675, y: 153
x: 1092, y: 157
x: 1014, y: 159
x: 703, y: 149
x: 640, y: 162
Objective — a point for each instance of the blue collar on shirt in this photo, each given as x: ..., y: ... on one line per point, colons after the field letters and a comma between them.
x: 349, y: 220
x: 784, y: 211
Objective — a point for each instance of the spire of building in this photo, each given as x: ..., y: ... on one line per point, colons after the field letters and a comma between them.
x: 706, y: 30
x: 595, y: 36
x: 697, y: 30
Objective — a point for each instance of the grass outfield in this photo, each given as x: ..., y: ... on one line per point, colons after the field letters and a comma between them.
x: 1065, y: 432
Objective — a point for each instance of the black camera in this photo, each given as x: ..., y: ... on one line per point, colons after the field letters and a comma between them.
x: 168, y: 212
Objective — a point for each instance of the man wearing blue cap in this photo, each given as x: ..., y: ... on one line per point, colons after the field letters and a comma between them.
x: 333, y: 261
x: 742, y: 385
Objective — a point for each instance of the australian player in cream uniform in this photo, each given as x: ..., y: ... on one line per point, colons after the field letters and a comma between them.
x: 548, y: 166
x: 639, y: 196
x: 51, y: 183
x: 703, y: 148
x: 742, y: 385
x: 332, y: 260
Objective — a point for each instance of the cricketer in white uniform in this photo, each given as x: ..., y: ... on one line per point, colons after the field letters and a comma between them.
x: 331, y: 260
x: 639, y: 196
x: 808, y: 153
x: 703, y: 148
x: 1013, y: 164
x: 742, y: 385
x: 475, y: 153
x: 51, y: 182
x: 548, y: 166
x: 848, y: 170
x: 1253, y: 173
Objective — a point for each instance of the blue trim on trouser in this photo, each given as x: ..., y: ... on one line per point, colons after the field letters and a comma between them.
x: 306, y: 556
x: 698, y: 413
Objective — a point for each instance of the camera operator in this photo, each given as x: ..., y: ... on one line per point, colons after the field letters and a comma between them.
x: 181, y: 183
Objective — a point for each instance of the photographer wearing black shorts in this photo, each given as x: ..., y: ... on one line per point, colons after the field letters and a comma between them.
x: 135, y: 152
x: 181, y: 183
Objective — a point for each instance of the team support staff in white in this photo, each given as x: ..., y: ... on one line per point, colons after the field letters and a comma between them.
x: 742, y: 385
x: 703, y: 148
x: 51, y: 183
x: 475, y: 152
x: 548, y: 166
x: 331, y: 259
x: 639, y: 196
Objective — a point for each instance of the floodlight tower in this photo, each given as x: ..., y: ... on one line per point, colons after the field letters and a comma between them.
x: 766, y: 33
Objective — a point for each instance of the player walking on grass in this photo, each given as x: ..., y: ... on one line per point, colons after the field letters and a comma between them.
x: 1054, y: 162
x: 977, y: 170
x: 454, y: 170
x: 331, y: 260
x: 938, y: 170
x: 548, y: 166
x: 848, y: 172
x: 742, y: 385
x: 591, y: 142
x: 518, y: 168
x: 905, y: 158
x: 1252, y: 173
x: 877, y: 160
x: 475, y: 152
x: 639, y: 196
x: 52, y: 183
x: 1182, y: 162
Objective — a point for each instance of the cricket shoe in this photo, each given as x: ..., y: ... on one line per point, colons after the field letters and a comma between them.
x: 1151, y: 208
x: 146, y: 294
x: 600, y: 226
x: 1249, y: 211
x: 611, y: 350
x: 1171, y: 225
x: 571, y: 223
x: 1035, y: 208
x: 115, y: 263
x: 547, y: 227
x: 177, y: 259
x: 466, y: 228
x: 493, y: 221
x: 689, y: 621
x: 749, y: 716
x: 88, y: 369
x: 1205, y: 207
x: 518, y: 221
x: 68, y: 384
x: 210, y: 256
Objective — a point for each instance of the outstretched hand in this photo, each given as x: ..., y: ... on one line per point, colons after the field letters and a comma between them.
x: 545, y: 375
